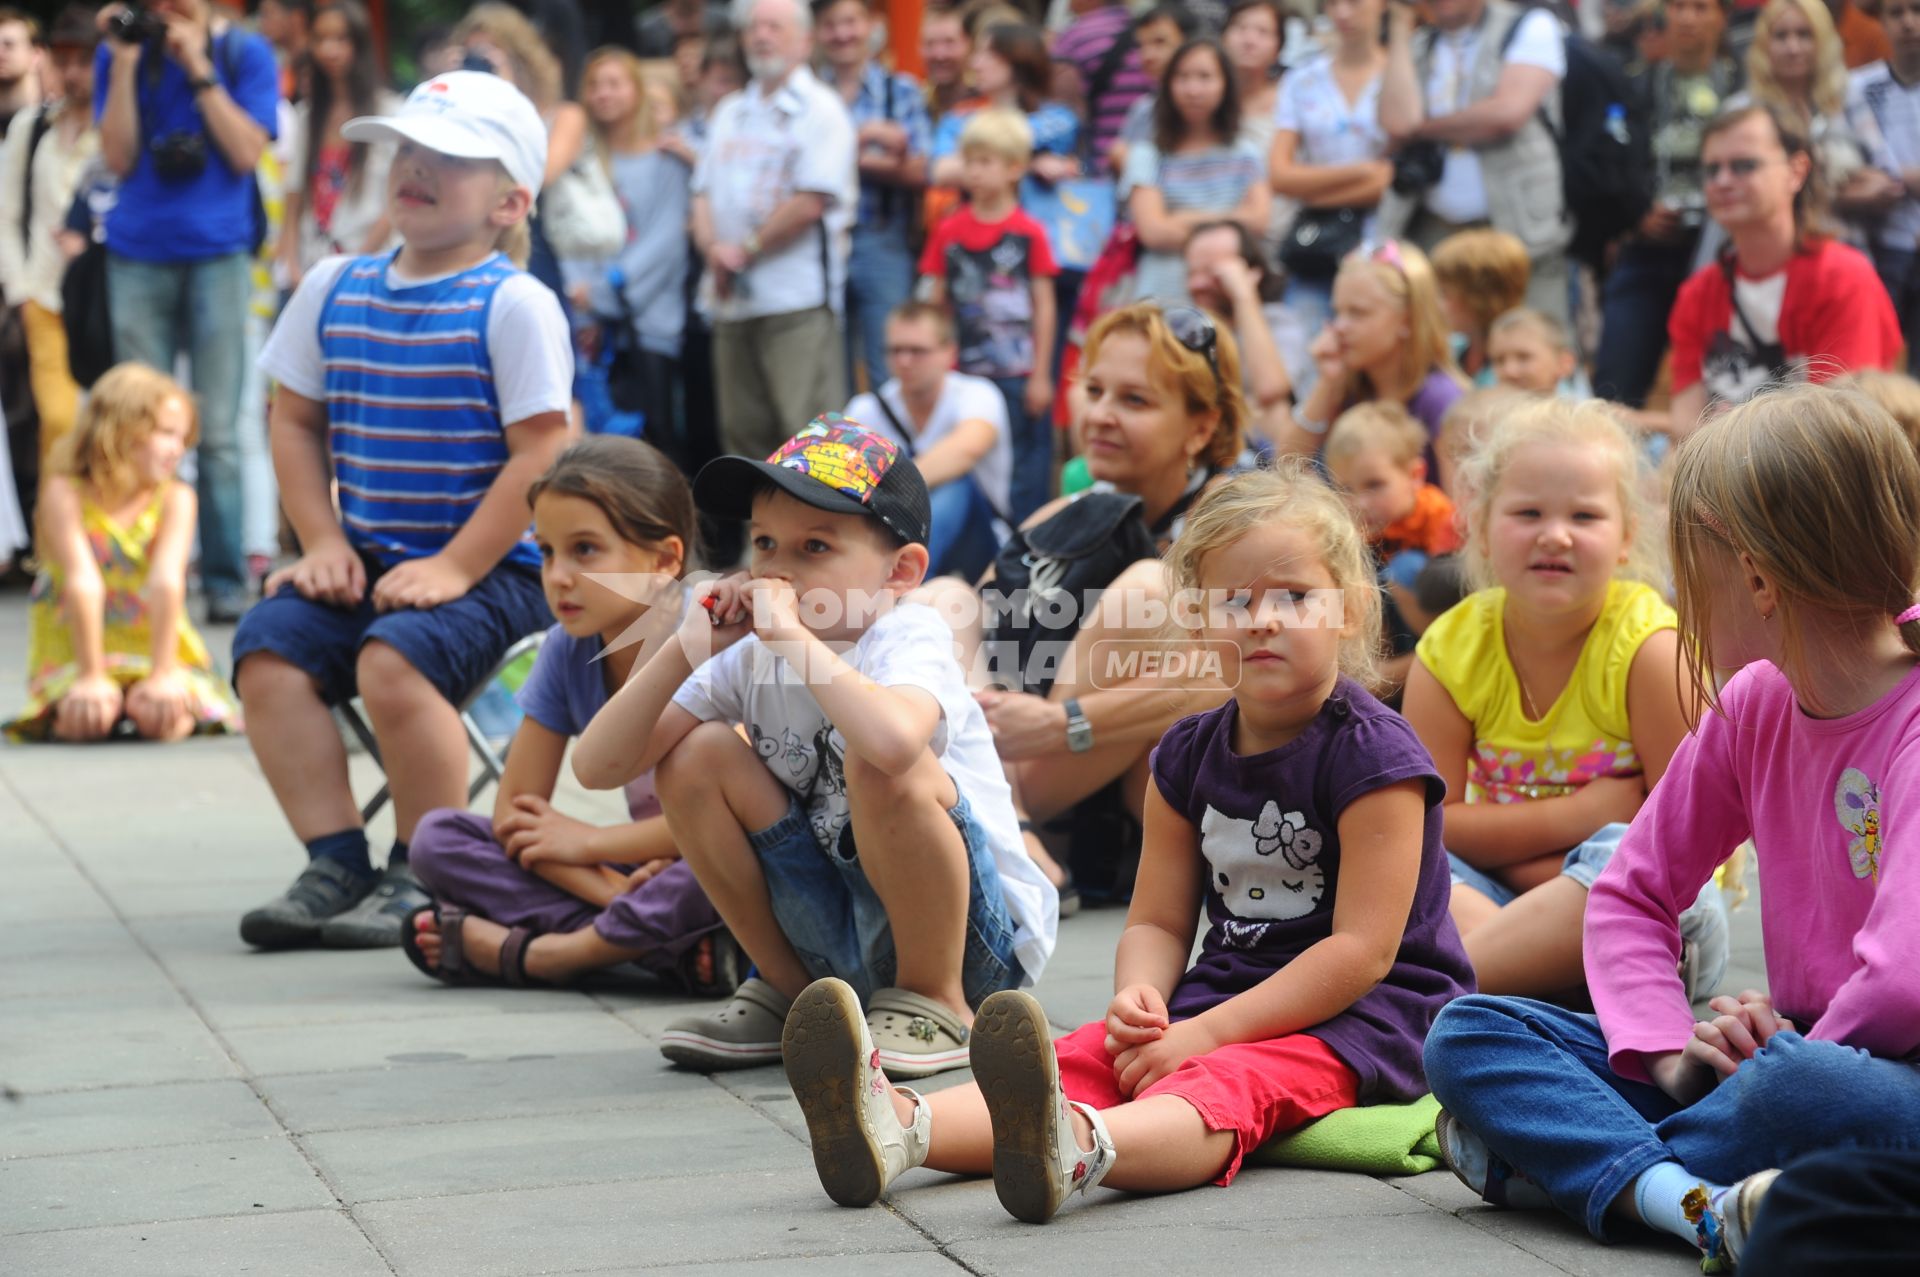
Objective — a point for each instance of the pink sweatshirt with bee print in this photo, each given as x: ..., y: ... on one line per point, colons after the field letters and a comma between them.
x: 1833, y: 808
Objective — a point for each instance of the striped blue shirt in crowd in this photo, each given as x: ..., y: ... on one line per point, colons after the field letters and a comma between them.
x: 414, y: 418
x: 895, y: 97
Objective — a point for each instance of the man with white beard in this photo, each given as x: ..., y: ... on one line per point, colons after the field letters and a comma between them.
x: 773, y: 200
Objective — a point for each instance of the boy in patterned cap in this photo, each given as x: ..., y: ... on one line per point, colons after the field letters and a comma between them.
x: 863, y: 828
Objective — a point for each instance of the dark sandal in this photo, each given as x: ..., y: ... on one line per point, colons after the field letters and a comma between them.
x: 453, y: 968
x: 727, y: 961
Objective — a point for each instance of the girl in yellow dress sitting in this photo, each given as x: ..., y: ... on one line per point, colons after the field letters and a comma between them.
x: 109, y: 640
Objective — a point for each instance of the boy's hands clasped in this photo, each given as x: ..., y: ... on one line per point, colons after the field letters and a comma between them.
x: 333, y: 573
x: 727, y: 610
x: 1740, y: 1028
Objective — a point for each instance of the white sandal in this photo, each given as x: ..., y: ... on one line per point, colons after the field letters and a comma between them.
x: 1037, y: 1161
x: 859, y: 1146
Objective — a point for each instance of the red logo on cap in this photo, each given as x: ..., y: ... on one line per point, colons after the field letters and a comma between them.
x: 438, y: 86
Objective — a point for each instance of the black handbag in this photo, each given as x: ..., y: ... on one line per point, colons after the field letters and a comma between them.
x: 1319, y: 239
x: 87, y: 315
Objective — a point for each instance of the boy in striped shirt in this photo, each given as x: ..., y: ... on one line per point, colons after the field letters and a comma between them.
x: 432, y: 384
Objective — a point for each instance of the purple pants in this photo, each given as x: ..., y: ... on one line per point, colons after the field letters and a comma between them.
x: 456, y: 858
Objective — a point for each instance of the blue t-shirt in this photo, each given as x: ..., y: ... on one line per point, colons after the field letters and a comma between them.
x: 210, y: 215
x: 1270, y: 835
x: 566, y: 689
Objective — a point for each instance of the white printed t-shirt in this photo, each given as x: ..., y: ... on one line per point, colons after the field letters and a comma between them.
x: 761, y: 150
x: 962, y: 398
x: 910, y: 646
x: 1461, y: 193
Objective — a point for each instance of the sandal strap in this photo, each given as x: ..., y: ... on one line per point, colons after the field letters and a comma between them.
x: 513, y: 957
x: 453, y: 947
x: 1103, y: 1155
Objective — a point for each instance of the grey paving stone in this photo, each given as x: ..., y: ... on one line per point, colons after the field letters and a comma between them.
x: 489, y: 1155
x: 697, y: 1219
x: 108, y: 1039
x: 132, y: 1117
x: 903, y: 1264
x: 130, y: 1186
x: 319, y: 1048
x: 1431, y: 1245
x: 74, y: 958
x: 1564, y: 1244
x: 281, y: 1243
x: 588, y: 1082
x: 46, y: 888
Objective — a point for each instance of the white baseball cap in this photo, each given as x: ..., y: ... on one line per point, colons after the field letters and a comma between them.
x: 474, y: 115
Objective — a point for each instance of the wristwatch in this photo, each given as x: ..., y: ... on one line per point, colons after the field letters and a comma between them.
x: 202, y: 84
x: 1079, y: 730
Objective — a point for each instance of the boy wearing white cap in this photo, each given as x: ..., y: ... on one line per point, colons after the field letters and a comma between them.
x: 432, y: 383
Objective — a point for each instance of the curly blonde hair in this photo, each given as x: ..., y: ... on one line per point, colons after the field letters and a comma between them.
x: 1290, y: 493
x: 1584, y: 423
x: 1828, y: 92
x: 536, y: 72
x: 118, y: 414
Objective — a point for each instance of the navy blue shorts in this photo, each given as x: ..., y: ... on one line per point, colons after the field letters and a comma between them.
x: 454, y: 645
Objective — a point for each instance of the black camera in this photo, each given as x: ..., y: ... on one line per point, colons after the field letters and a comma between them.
x: 1417, y: 166
x: 178, y: 156
x: 135, y: 25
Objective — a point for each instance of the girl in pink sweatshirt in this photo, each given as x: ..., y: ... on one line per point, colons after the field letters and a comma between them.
x: 1795, y: 523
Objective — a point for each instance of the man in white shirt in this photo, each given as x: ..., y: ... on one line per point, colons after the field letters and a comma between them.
x: 773, y: 200
x: 955, y: 428
x: 1476, y: 87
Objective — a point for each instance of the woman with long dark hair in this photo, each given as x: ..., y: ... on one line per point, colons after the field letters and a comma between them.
x: 336, y: 192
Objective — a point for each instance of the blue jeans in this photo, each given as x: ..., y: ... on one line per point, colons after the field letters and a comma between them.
x: 1032, y: 437
x: 1633, y: 326
x: 1532, y: 1080
x: 160, y: 309
x: 879, y: 277
x: 963, y: 540
x: 837, y: 925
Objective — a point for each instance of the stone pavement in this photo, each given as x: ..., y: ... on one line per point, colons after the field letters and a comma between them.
x: 177, y: 1104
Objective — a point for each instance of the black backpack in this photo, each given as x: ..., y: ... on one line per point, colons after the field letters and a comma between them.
x: 1606, y: 156
x: 1047, y: 578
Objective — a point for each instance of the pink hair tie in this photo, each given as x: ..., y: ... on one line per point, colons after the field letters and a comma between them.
x: 1911, y: 614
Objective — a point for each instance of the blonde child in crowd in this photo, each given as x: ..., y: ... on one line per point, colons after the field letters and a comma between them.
x: 1550, y: 697
x: 108, y: 639
x: 1300, y: 819
x: 1482, y: 274
x: 1795, y: 528
x: 989, y: 261
x: 431, y: 386
x: 1895, y: 392
x: 1529, y: 350
x: 530, y: 895
x: 864, y: 829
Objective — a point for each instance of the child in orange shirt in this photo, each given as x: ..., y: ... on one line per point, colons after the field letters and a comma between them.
x: 1376, y: 453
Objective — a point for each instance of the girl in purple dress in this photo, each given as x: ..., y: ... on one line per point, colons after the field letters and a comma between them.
x: 1302, y: 817
x: 530, y: 895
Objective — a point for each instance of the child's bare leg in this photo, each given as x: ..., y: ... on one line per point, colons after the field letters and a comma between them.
x: 1471, y: 908
x: 423, y: 747
x: 1531, y: 947
x: 715, y: 789
x: 916, y: 861
x: 1162, y: 1143
x: 297, y: 746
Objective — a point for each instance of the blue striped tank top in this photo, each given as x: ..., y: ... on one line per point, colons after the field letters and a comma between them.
x: 414, y: 420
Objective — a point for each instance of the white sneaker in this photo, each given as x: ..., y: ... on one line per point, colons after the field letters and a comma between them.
x: 743, y: 1033
x: 1037, y: 1161
x: 859, y: 1146
x: 1482, y: 1170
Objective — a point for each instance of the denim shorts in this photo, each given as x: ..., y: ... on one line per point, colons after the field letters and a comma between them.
x: 1583, y: 864
x: 454, y: 645
x: 837, y: 925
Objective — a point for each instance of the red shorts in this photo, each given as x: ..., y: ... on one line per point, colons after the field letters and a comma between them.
x: 1254, y: 1089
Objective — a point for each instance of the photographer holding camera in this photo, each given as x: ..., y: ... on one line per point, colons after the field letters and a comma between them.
x: 186, y: 105
x: 1684, y: 92
x: 1463, y: 102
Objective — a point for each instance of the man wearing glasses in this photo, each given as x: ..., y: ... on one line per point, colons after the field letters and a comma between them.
x: 1785, y: 302
x: 955, y: 428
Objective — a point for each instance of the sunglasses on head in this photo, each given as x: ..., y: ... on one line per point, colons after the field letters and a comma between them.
x: 1192, y: 328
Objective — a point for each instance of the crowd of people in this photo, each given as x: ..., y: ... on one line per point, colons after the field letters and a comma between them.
x: 1430, y: 492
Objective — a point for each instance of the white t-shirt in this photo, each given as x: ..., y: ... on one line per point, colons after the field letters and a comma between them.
x: 910, y: 646
x: 1461, y: 193
x: 761, y: 150
x: 1330, y: 130
x: 1731, y: 368
x: 962, y: 398
x: 527, y: 341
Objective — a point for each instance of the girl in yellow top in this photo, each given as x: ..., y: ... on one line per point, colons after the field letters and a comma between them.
x: 109, y: 638
x: 1550, y: 698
